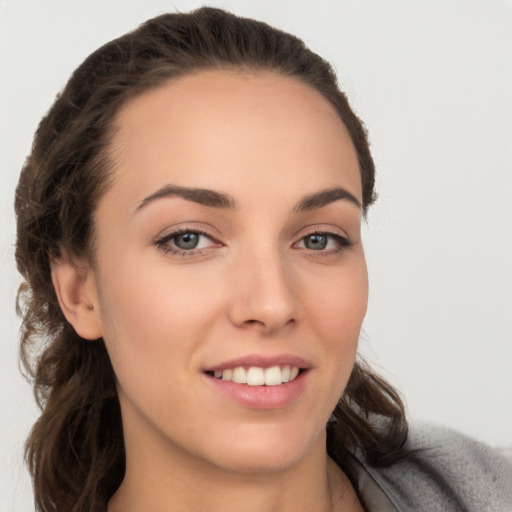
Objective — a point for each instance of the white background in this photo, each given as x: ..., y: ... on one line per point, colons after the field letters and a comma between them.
x: 433, y: 83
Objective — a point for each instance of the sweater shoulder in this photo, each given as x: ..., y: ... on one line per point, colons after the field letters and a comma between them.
x: 447, y: 471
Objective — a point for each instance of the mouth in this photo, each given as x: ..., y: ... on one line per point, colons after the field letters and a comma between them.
x: 257, y: 375
x: 261, y: 381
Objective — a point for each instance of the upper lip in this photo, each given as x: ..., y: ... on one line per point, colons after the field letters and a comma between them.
x: 261, y: 361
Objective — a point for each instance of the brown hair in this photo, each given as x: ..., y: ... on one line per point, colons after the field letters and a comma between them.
x: 75, y: 451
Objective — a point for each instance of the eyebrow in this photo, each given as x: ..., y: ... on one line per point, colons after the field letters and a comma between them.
x: 197, y: 195
x: 215, y: 199
x: 325, y: 197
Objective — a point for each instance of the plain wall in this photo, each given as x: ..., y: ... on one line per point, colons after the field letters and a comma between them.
x: 433, y: 83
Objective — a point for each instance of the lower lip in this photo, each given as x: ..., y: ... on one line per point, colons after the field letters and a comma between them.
x: 261, y: 397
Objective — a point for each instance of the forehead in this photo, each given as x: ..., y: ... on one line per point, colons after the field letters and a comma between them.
x: 216, y: 127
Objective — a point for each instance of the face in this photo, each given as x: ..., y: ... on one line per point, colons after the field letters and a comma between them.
x: 229, y: 249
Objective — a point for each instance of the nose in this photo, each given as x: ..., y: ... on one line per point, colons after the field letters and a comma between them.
x: 262, y: 293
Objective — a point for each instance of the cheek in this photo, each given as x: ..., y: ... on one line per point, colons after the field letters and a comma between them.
x: 155, y: 315
x: 338, y: 312
x: 152, y: 331
x: 339, y: 306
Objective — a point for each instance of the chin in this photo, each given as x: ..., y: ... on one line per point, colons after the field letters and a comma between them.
x: 250, y: 462
x: 265, y: 450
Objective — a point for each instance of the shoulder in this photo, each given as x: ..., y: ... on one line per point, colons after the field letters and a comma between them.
x: 446, y: 471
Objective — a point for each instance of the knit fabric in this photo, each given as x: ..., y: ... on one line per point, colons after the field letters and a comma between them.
x: 446, y: 472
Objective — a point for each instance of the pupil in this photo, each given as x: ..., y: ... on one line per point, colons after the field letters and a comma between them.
x: 187, y: 240
x: 316, y: 242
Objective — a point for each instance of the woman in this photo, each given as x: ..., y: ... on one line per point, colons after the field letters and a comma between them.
x: 189, y: 232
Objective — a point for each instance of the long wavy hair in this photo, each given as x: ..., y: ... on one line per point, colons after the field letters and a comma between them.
x: 75, y: 451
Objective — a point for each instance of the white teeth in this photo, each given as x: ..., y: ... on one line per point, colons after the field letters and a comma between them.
x: 273, y: 376
x: 239, y: 375
x: 256, y: 376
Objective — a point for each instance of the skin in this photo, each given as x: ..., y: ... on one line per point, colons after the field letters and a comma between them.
x: 253, y: 286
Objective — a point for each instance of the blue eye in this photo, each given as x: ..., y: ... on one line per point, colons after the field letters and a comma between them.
x: 187, y: 241
x: 326, y: 242
x: 184, y: 241
x: 316, y: 242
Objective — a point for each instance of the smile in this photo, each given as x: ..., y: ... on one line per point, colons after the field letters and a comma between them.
x: 257, y: 376
x: 261, y: 381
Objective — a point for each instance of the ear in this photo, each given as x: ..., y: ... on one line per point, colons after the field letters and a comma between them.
x: 76, y: 290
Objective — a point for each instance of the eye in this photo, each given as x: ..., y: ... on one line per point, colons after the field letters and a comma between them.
x: 316, y: 242
x: 185, y: 241
x: 328, y: 242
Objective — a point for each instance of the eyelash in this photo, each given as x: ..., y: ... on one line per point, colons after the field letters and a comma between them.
x: 162, y: 243
x: 342, y: 243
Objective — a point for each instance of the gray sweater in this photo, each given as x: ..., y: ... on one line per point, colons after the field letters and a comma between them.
x: 448, y: 472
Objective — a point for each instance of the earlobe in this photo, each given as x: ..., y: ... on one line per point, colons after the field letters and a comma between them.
x: 76, y: 291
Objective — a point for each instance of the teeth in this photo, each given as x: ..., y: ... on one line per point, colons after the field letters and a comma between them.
x: 256, y: 376
x: 273, y: 376
x: 239, y: 375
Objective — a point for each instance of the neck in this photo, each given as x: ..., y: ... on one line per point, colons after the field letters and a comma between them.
x: 314, y: 483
